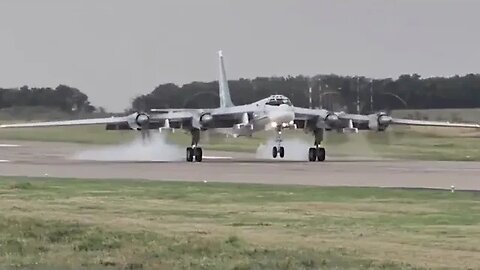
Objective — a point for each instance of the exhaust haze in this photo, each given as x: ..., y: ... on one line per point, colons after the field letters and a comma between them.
x: 155, y: 149
x: 295, y: 149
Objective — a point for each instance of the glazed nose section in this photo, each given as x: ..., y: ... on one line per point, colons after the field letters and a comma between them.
x: 283, y: 115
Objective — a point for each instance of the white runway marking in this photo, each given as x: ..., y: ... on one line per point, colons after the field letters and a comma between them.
x: 9, y: 145
x: 4, y: 160
x: 214, y: 157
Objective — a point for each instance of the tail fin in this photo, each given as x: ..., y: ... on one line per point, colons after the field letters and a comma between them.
x: 224, y: 92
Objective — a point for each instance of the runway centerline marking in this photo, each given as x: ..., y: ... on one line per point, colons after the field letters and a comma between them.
x: 4, y: 161
x: 9, y: 145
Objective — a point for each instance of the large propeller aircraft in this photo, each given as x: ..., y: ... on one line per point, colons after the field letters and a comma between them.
x: 274, y: 113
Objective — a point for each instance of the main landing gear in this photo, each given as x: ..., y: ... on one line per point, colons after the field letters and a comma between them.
x: 317, y: 153
x: 194, y: 153
x: 278, y: 150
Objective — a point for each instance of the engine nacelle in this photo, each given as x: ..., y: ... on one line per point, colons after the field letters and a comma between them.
x: 379, y: 121
x: 202, y: 120
x: 332, y: 121
x: 138, y: 120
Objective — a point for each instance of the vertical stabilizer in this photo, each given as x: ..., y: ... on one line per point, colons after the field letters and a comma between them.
x: 224, y: 92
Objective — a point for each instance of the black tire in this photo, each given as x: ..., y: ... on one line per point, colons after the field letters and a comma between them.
x: 281, y: 152
x: 198, y: 154
x: 274, y: 152
x: 312, y: 154
x: 190, y: 154
x: 321, y: 154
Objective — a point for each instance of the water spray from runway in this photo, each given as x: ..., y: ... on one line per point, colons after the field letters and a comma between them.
x: 295, y: 149
x: 155, y: 149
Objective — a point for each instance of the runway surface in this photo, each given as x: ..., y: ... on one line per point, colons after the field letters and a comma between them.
x: 39, y: 159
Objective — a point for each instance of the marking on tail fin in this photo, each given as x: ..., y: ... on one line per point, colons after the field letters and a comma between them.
x: 224, y: 91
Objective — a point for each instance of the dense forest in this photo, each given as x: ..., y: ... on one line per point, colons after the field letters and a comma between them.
x: 327, y: 91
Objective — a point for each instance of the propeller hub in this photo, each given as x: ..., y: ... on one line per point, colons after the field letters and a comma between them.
x: 142, y: 119
x: 332, y: 120
x: 384, y: 119
x: 206, y: 119
x: 379, y: 121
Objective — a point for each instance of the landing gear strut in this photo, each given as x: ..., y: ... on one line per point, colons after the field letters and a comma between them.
x: 278, y: 150
x: 194, y: 153
x: 317, y: 152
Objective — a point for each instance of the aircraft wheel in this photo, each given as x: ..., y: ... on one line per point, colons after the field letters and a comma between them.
x: 321, y: 154
x: 281, y: 152
x: 274, y: 152
x: 198, y: 154
x: 312, y: 154
x: 190, y: 154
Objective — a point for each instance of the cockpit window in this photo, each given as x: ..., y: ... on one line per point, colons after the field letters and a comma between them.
x: 278, y: 101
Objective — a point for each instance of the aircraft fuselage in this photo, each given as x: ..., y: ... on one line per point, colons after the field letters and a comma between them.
x: 271, y: 113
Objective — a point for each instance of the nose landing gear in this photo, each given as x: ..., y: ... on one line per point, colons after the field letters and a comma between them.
x: 278, y: 150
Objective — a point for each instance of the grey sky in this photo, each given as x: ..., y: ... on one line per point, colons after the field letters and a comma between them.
x: 114, y: 50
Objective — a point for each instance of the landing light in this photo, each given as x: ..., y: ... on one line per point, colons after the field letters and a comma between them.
x: 274, y: 124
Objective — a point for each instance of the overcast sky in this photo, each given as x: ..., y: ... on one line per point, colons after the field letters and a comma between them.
x: 114, y: 50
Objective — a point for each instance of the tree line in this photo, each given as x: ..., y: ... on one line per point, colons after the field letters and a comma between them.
x: 64, y: 98
x: 326, y: 91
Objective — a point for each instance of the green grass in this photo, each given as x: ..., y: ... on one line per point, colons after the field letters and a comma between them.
x: 81, y: 134
x: 122, y: 224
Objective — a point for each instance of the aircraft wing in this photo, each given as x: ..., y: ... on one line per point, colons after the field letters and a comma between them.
x: 372, y: 120
x: 133, y: 120
x: 359, y: 118
x: 306, y: 114
x: 156, y: 119
x: 235, y: 110
x: 93, y: 121
x: 411, y: 122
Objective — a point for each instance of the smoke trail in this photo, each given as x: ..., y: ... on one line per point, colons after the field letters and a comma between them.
x: 295, y: 149
x: 156, y: 149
